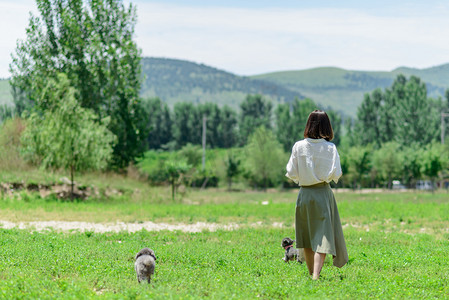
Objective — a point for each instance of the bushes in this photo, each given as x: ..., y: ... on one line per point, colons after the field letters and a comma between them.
x: 364, y: 166
x: 10, y: 133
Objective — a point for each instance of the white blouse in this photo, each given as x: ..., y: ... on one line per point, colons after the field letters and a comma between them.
x: 314, y: 161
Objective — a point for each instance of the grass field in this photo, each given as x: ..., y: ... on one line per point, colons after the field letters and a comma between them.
x: 397, y: 244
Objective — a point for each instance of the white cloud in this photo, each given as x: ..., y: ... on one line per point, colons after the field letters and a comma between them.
x: 250, y: 41
x: 14, y: 16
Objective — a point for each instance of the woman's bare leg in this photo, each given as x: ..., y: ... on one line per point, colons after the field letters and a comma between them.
x: 309, y: 255
x: 318, y: 264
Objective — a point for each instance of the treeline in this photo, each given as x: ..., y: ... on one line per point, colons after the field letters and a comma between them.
x: 396, y: 136
x: 76, y: 82
x: 401, y: 113
x: 226, y: 127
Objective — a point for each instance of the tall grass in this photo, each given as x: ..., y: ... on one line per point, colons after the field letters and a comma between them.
x: 10, y: 133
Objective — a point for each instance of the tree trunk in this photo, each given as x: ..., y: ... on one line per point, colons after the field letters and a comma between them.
x: 173, y: 189
x: 389, y: 182
x: 203, y: 186
x: 71, y: 181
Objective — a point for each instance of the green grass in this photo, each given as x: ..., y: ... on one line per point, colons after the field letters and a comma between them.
x: 221, y: 265
x: 397, y: 245
x: 407, y: 212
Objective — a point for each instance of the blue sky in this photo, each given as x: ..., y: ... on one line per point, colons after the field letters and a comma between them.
x: 253, y: 37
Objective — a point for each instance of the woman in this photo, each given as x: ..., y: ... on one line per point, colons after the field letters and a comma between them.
x: 314, y: 163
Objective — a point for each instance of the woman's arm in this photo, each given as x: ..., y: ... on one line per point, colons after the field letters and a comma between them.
x: 292, y: 167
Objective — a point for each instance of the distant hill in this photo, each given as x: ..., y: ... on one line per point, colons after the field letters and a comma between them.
x: 344, y: 90
x: 175, y: 80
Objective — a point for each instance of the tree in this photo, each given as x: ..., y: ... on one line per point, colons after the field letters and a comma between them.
x: 227, y: 128
x: 255, y: 112
x: 159, y: 123
x: 183, y: 127
x: 336, y: 122
x: 66, y: 135
x: 301, y: 110
x: 401, y: 113
x: 265, y: 158
x: 91, y: 42
x: 291, y: 119
x: 359, y: 163
x: 388, y: 161
x: 446, y: 96
x: 412, y: 164
x: 232, y: 164
x: 6, y: 112
x: 368, y: 116
x: 435, y: 158
x: 192, y: 154
x: 283, y: 127
x: 175, y: 169
x: 412, y: 117
x: 213, y: 120
x: 349, y: 139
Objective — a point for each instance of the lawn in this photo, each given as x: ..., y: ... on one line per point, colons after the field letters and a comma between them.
x: 397, y: 244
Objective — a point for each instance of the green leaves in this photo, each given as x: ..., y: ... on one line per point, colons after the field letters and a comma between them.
x: 291, y: 119
x: 388, y: 161
x: 435, y: 158
x: 402, y: 113
x: 255, y: 112
x: 265, y: 159
x: 175, y: 169
x: 92, y: 43
x: 65, y: 135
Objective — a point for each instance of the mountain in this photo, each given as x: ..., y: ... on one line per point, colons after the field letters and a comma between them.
x: 344, y: 89
x: 175, y: 80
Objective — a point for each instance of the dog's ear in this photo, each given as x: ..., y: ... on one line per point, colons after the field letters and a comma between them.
x: 152, y: 254
x: 144, y: 251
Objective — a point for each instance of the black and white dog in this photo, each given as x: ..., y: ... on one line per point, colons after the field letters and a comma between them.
x: 291, y: 253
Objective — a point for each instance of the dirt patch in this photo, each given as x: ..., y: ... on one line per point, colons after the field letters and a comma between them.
x: 121, y: 226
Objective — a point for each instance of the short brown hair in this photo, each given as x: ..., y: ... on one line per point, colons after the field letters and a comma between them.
x: 319, y: 126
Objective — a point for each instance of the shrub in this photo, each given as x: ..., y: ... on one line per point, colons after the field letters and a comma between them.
x: 10, y: 133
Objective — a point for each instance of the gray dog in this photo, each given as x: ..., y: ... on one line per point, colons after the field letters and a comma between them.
x: 291, y: 253
x: 145, y: 264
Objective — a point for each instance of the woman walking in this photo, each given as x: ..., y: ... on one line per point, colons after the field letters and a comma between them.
x: 314, y: 163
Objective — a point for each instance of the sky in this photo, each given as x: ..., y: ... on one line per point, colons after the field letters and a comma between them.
x: 254, y: 37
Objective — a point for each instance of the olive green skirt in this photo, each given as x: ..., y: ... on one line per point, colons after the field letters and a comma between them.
x: 317, y: 223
